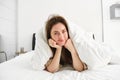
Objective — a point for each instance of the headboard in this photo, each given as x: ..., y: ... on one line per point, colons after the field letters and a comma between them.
x: 33, y: 41
x: 93, y: 36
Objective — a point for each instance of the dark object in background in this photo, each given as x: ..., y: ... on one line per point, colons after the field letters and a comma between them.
x: 33, y: 41
x: 93, y: 36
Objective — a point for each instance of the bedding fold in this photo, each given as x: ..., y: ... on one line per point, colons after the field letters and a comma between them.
x: 93, y: 53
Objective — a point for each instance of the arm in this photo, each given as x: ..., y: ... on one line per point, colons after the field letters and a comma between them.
x: 53, y: 65
x: 77, y: 63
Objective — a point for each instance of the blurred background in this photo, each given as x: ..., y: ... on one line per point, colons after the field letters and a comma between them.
x: 19, y: 19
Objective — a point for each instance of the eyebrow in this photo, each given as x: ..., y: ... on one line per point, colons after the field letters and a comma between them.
x: 58, y: 31
x: 55, y: 31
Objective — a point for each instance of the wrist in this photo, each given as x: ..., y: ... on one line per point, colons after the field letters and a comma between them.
x: 73, y: 51
x: 59, y: 48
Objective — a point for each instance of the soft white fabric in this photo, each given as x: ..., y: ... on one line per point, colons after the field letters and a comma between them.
x: 19, y: 68
x: 42, y: 51
x: 94, y: 54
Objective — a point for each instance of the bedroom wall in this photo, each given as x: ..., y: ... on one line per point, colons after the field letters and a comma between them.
x: 33, y: 13
x: 8, y: 27
x: 111, y: 27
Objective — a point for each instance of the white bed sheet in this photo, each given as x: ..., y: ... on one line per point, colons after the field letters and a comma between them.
x: 20, y: 68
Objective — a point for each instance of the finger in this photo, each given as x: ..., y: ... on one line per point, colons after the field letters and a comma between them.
x: 50, y: 42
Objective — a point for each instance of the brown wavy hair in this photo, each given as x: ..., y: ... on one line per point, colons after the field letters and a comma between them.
x: 52, y: 20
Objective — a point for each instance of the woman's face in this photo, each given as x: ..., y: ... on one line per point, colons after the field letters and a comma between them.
x: 59, y: 34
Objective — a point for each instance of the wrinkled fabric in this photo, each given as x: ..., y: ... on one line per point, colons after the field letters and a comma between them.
x: 93, y: 53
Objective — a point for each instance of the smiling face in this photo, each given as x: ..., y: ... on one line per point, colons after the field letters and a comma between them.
x: 59, y: 34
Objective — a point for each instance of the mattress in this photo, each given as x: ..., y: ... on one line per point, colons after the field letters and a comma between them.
x: 20, y: 68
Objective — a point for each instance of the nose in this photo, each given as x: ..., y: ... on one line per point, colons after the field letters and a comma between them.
x: 61, y: 36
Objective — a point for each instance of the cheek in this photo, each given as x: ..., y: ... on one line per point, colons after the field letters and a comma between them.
x: 66, y: 36
x: 55, y: 38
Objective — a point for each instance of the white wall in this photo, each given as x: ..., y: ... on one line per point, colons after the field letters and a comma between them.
x: 33, y: 13
x: 8, y: 26
x: 111, y: 27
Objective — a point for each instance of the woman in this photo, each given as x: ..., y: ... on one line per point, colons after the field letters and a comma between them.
x: 64, y: 52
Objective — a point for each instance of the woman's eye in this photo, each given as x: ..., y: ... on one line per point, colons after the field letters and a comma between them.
x: 56, y: 33
x: 64, y: 31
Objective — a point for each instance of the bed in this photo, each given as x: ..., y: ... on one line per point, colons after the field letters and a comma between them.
x: 19, y: 68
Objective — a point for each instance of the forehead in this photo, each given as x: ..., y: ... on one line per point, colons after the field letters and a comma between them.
x: 58, y: 27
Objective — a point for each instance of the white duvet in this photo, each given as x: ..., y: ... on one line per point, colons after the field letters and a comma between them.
x: 19, y: 68
x: 94, y: 54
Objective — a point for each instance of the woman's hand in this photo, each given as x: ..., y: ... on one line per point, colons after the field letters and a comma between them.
x: 53, y: 44
x: 69, y: 45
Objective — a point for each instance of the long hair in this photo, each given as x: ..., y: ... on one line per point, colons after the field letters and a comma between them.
x: 53, y: 20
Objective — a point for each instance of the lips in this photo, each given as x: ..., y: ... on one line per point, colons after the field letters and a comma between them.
x: 61, y: 40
